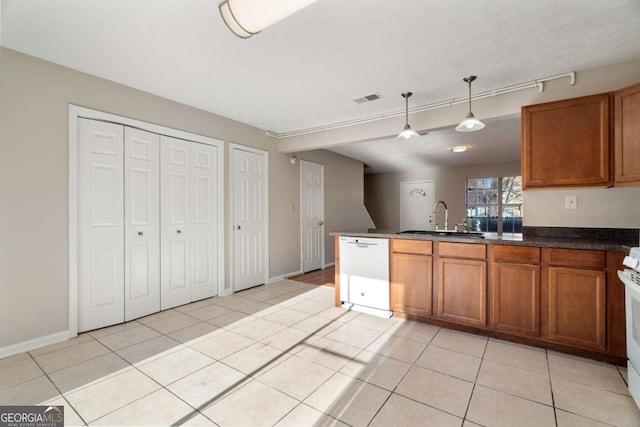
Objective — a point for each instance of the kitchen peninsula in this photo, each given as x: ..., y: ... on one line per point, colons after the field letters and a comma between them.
x: 552, y: 287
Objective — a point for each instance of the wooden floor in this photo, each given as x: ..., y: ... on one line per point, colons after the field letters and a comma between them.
x: 324, y: 277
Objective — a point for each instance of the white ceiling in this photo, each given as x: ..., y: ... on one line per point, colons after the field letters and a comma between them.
x: 304, y: 71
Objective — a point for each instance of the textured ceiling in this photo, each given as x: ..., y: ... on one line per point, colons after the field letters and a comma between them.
x: 304, y: 71
x: 498, y: 142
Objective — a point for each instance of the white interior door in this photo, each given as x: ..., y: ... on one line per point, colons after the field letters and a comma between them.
x: 101, y: 224
x: 142, y: 223
x: 175, y: 213
x: 416, y: 205
x: 249, y: 218
x: 204, y: 230
x: 312, y: 215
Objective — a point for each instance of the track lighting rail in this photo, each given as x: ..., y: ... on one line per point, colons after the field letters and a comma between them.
x: 538, y: 83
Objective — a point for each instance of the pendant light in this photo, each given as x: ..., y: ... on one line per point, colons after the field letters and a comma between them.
x: 407, y: 132
x: 470, y: 123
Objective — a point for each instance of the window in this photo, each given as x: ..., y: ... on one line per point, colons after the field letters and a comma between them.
x: 495, y: 204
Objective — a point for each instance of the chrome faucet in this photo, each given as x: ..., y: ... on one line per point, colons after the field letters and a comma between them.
x: 446, y: 214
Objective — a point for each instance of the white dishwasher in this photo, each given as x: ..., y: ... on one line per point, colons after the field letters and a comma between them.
x: 364, y: 275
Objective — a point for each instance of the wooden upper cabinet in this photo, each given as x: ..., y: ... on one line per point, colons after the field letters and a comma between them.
x: 627, y: 136
x: 567, y: 143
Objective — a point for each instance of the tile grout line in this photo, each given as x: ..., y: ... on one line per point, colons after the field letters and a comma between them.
x: 475, y: 382
x: 58, y: 389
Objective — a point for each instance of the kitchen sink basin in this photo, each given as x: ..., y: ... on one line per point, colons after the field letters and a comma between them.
x: 451, y: 233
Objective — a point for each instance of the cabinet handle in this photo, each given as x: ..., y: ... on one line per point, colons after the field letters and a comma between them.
x: 361, y: 294
x: 321, y: 223
x: 140, y: 233
x: 179, y: 231
x: 238, y: 227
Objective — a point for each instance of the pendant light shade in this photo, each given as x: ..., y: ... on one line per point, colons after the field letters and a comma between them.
x: 407, y: 132
x: 470, y: 123
x: 248, y: 17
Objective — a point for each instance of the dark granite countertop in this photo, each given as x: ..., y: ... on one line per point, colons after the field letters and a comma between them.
x: 544, y: 237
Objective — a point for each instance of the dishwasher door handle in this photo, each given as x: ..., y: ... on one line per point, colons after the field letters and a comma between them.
x: 361, y: 244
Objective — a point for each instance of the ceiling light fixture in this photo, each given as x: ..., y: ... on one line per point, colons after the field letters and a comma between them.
x: 407, y: 132
x: 248, y: 17
x: 470, y: 123
x: 459, y: 148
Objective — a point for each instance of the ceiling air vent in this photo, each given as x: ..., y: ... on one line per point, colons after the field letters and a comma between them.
x: 367, y: 98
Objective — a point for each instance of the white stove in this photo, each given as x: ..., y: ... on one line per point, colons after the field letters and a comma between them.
x: 631, y: 278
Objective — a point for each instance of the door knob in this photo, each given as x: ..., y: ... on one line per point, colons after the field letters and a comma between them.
x: 321, y: 223
x: 179, y: 231
x: 140, y: 233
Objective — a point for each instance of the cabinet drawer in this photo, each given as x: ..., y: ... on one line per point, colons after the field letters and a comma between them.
x: 462, y: 250
x: 524, y: 254
x: 422, y: 247
x: 577, y: 258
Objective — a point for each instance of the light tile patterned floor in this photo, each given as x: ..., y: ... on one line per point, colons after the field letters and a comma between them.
x: 280, y: 354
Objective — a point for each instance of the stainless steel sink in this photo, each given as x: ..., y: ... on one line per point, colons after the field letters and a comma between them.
x: 451, y: 233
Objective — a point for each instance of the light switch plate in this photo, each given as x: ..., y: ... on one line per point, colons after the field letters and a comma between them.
x: 571, y: 202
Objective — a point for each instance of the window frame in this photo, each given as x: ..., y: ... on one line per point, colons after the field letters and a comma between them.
x: 500, y: 205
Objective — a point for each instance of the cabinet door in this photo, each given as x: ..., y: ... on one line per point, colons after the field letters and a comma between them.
x: 577, y: 307
x: 411, y: 283
x: 627, y: 136
x: 462, y: 291
x: 566, y: 143
x: 515, y: 298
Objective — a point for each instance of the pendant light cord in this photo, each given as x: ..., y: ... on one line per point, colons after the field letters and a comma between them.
x: 406, y: 109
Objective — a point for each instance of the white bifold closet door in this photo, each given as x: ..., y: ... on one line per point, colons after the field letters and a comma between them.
x: 119, y: 235
x: 101, y: 224
x: 148, y: 223
x: 189, y: 221
x: 141, y: 223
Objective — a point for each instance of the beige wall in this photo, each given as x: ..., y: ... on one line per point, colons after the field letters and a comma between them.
x: 382, y: 191
x: 34, y: 101
x: 343, y: 208
x: 597, y: 207
x: 604, y: 208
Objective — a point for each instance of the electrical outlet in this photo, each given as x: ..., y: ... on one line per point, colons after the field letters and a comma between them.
x: 571, y: 202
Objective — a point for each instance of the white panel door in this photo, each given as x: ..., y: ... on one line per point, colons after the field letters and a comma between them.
x: 249, y: 218
x: 175, y: 212
x: 312, y: 215
x: 101, y: 224
x: 204, y: 229
x: 416, y: 205
x: 142, y: 223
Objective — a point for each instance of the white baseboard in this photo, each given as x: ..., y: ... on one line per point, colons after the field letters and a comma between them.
x: 21, y: 347
x: 283, y: 277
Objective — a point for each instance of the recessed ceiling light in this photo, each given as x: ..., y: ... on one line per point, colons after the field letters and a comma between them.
x: 459, y: 148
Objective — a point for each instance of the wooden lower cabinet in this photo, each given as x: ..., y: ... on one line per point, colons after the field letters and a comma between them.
x: 462, y: 291
x: 411, y: 276
x: 411, y: 286
x: 577, y: 307
x: 515, y: 299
